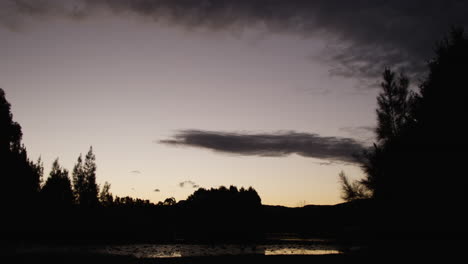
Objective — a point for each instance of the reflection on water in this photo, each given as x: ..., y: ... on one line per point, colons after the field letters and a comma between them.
x: 185, y: 250
x: 301, y: 251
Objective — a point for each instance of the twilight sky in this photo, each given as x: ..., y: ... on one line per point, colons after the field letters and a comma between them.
x: 174, y: 95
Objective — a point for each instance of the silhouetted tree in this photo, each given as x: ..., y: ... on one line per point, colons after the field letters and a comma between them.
x: 79, y: 183
x: 10, y: 134
x: 222, y: 213
x: 85, y: 187
x: 423, y: 162
x: 393, y: 114
x: 393, y: 105
x: 416, y: 167
x: 438, y: 135
x: 105, y: 197
x: 353, y: 191
x: 38, y: 170
x: 129, y: 202
x: 92, y: 188
x: 233, y: 189
x: 20, y: 176
x: 169, y: 201
x: 57, y: 190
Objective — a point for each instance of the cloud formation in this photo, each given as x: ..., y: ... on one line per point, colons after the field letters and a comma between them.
x: 365, y: 134
x: 364, y: 35
x: 188, y: 184
x: 279, y: 144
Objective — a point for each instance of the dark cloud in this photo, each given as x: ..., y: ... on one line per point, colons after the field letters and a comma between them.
x: 156, y: 190
x: 275, y: 144
x: 365, y: 134
x: 364, y: 35
x: 328, y: 163
x: 189, y: 184
x: 13, y: 12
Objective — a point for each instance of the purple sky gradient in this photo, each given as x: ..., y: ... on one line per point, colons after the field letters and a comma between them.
x: 122, y: 83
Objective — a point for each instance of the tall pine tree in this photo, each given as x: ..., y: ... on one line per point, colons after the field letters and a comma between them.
x: 393, y: 105
x: 85, y: 188
x: 79, y: 183
x: 91, y: 188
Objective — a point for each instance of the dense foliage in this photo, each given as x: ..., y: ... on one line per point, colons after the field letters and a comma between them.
x: 415, y: 169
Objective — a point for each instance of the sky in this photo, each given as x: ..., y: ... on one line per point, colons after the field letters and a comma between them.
x: 176, y: 95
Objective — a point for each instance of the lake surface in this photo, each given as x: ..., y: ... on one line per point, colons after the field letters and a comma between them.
x: 187, y: 250
x: 275, y: 246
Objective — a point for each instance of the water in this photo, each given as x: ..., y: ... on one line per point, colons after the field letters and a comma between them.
x: 187, y: 250
x: 274, y: 246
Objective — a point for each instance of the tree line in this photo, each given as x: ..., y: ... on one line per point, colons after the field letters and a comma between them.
x: 72, y: 206
x: 23, y: 179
